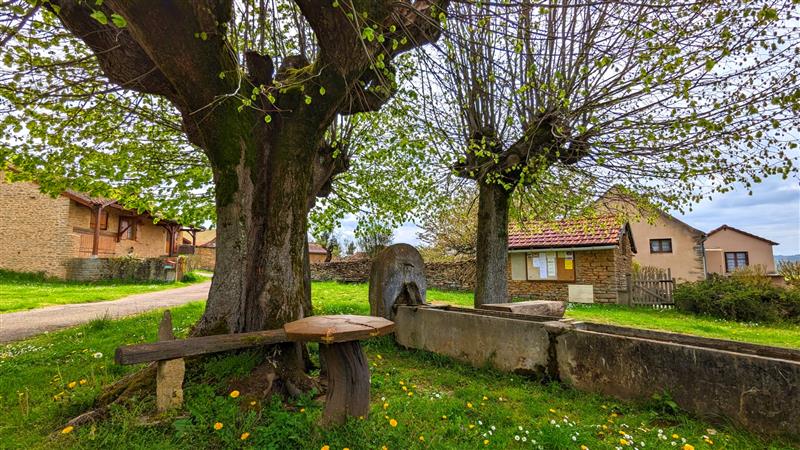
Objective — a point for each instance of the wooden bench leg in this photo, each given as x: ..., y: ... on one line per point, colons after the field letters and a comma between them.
x: 348, y: 382
x: 169, y: 374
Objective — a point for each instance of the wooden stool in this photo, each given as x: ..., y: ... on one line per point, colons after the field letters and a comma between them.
x: 348, y: 373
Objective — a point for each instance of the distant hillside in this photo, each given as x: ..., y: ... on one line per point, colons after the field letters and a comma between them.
x: 779, y: 258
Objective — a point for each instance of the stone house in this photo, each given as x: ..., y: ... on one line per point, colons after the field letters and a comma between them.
x: 728, y: 248
x: 39, y: 233
x: 316, y: 253
x: 580, y: 260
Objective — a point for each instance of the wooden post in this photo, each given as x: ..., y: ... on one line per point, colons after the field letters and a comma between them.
x: 169, y: 375
x: 629, y: 288
x: 98, y: 211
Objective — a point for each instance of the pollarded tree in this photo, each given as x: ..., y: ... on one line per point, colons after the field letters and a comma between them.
x: 662, y: 97
x: 262, y: 122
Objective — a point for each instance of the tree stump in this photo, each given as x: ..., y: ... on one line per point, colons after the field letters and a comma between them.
x: 340, y: 346
x: 169, y: 373
x: 397, y: 276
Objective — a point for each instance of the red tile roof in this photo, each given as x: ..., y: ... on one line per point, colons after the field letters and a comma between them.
x: 316, y: 248
x: 582, y: 232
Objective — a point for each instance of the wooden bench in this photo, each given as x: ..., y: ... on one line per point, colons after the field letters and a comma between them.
x: 339, y: 337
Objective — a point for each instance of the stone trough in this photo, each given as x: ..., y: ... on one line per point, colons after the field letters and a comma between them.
x: 756, y: 386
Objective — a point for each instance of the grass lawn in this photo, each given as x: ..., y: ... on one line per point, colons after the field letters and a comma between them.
x: 434, y: 402
x: 350, y: 298
x: 781, y: 335
x: 27, y: 291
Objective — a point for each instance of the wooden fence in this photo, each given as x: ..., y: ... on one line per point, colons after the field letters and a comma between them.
x: 651, y: 288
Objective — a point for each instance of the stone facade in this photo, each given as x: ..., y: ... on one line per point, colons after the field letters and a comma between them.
x: 35, y: 230
x: 603, y: 269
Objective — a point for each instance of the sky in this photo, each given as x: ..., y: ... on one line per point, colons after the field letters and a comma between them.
x: 772, y: 212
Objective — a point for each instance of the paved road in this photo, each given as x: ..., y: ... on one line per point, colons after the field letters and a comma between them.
x: 23, y: 324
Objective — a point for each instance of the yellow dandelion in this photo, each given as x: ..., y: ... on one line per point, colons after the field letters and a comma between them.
x: 384, y: 448
x: 675, y: 436
x: 583, y: 447
x: 67, y: 429
x: 302, y: 410
x: 444, y: 417
x: 82, y: 382
x: 72, y: 384
x: 379, y: 356
x: 385, y: 405
x: 469, y: 405
x: 393, y: 422
x: 422, y: 438
x: 410, y: 394
x: 623, y: 442
x: 346, y: 448
x: 613, y: 414
x: 401, y: 382
x: 405, y: 388
x: 485, y: 397
x: 687, y: 447
x: 709, y: 441
x: 471, y: 426
x: 325, y: 447
x: 552, y: 410
x: 485, y: 442
x: 253, y: 403
x: 234, y: 394
x: 244, y: 435
x: 218, y: 426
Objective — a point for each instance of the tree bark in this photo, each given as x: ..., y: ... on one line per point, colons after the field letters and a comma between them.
x: 491, y: 285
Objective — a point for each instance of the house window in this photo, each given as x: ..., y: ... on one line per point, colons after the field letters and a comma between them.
x: 556, y: 266
x: 103, y: 220
x: 127, y: 229
x: 660, y: 245
x: 735, y: 260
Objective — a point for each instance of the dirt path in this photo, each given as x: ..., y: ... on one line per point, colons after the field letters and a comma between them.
x: 23, y: 324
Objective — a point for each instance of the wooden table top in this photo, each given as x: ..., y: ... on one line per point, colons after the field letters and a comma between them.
x: 337, y: 328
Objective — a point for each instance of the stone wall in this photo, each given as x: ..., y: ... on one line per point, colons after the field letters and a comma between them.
x: 206, y: 257
x: 603, y: 269
x: 123, y: 268
x: 34, y: 230
x: 346, y: 271
x: 753, y: 385
x: 455, y: 275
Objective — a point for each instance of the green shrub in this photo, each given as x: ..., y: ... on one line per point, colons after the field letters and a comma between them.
x: 743, y: 298
x: 191, y: 277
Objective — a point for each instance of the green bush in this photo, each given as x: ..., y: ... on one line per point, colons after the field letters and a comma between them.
x: 191, y: 277
x: 745, y: 298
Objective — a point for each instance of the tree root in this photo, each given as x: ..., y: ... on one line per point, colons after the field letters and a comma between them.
x: 282, y: 373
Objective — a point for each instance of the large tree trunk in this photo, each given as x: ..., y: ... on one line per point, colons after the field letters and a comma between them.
x: 491, y: 284
x: 261, y: 279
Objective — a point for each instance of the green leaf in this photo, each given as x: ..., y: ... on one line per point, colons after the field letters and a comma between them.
x: 267, y: 118
x: 308, y: 100
x: 119, y: 21
x: 99, y: 16
x: 321, y: 90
